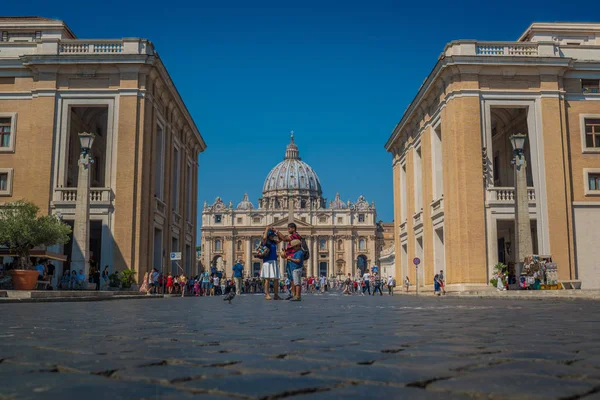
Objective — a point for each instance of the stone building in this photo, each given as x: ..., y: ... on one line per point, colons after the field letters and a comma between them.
x: 143, y: 179
x: 386, y: 246
x: 454, y: 202
x: 342, y: 236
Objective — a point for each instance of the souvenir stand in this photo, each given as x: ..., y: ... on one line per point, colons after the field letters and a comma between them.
x: 539, y: 272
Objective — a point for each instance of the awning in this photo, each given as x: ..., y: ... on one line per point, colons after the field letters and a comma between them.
x: 36, y: 253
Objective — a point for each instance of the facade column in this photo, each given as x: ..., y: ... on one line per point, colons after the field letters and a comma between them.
x: 230, y: 241
x: 316, y: 256
x: 348, y: 255
x: 248, y: 266
x: 311, y: 260
x: 331, y: 270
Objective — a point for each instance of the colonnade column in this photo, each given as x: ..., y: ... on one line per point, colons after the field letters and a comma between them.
x: 331, y: 270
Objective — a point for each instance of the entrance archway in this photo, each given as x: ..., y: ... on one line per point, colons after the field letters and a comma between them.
x: 361, y: 264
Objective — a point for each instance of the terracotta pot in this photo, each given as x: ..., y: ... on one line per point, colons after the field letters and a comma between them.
x: 24, y: 279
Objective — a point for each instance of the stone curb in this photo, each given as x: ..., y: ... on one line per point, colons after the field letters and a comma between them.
x: 517, y: 295
x: 76, y: 299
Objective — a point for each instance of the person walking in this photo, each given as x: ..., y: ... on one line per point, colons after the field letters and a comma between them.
x: 366, y: 282
x: 296, y: 262
x: 270, y: 268
x: 391, y: 283
x: 323, y: 283
x: 238, y: 273
x: 442, y: 282
x: 436, y: 285
x: 377, y: 284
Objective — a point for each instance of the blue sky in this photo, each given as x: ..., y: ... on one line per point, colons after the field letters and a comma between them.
x: 340, y: 74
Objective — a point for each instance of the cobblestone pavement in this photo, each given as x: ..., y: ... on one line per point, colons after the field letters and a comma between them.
x: 325, y: 347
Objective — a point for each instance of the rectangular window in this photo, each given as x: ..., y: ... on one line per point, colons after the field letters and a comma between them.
x: 6, y: 181
x: 189, y: 190
x: 159, y: 162
x: 276, y: 219
x: 594, y: 181
x: 218, y: 219
x: 592, y: 133
x: 38, y: 35
x: 361, y: 217
x: 256, y: 220
x: 303, y: 219
x: 590, y: 86
x: 5, y: 36
x: 7, y: 132
x: 239, y: 220
x: 322, y: 220
x: 175, y: 185
x: 340, y: 220
x: 3, y: 182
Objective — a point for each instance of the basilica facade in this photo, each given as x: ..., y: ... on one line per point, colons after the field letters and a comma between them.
x: 342, y: 236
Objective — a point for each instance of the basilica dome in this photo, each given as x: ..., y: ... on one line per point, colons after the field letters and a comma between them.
x: 292, y: 175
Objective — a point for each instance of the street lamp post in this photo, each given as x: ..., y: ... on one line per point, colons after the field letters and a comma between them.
x: 523, y: 246
x: 81, y: 227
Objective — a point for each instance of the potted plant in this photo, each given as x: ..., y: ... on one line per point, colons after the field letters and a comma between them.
x: 21, y: 230
x: 127, y: 278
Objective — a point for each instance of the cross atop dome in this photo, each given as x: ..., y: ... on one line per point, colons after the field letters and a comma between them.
x: 291, y: 151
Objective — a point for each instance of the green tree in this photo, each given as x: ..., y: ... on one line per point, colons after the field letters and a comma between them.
x: 22, y: 230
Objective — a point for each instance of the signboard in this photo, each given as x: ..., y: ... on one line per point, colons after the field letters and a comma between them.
x: 175, y: 256
x: 416, y: 261
x: 375, y: 269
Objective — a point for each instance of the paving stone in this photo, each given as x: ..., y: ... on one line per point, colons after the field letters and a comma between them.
x: 261, y: 384
x: 76, y: 386
x: 381, y: 392
x: 442, y: 348
x: 515, y: 384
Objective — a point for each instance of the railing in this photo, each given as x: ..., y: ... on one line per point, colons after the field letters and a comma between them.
x: 506, y: 50
x: 69, y: 195
x: 418, y: 218
x: 507, y: 194
x: 176, y: 219
x: 68, y: 47
x: 159, y: 206
x: 495, y: 49
x: 437, y: 206
x: 403, y: 227
x: 79, y: 47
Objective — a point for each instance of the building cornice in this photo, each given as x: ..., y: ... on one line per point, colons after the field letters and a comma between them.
x: 472, y: 64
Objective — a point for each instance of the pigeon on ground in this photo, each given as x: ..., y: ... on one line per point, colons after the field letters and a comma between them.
x: 229, y: 296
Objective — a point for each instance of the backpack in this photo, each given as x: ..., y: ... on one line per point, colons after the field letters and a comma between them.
x: 262, y: 251
x: 305, y: 250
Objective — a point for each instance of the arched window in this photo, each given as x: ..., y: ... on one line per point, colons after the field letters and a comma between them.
x: 239, y: 245
x: 322, y: 244
x: 340, y: 244
x: 218, y: 245
x: 362, y: 244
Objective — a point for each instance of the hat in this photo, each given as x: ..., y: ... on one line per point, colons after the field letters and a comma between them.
x: 295, y: 243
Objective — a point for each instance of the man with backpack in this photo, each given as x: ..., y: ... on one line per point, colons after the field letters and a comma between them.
x: 289, y: 250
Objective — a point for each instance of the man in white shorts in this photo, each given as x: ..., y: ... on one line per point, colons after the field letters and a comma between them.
x: 270, y: 267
